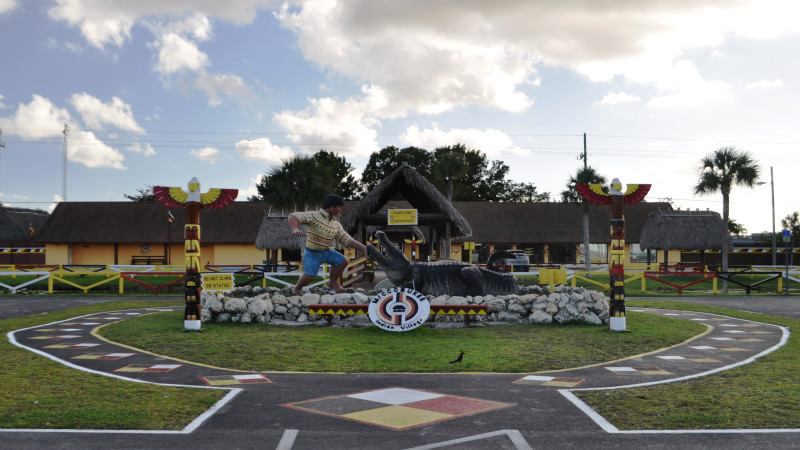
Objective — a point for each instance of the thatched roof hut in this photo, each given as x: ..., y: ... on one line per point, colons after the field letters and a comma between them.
x: 275, y: 234
x: 19, y: 224
x: 434, y: 210
x: 684, y: 230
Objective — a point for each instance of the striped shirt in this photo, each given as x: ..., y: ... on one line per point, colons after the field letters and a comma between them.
x: 322, y: 229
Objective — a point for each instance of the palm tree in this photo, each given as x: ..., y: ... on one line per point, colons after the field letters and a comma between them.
x: 720, y: 171
x: 450, y: 164
x: 587, y: 175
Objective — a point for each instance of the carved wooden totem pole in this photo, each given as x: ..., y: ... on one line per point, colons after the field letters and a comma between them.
x: 616, y: 255
x: 193, y: 201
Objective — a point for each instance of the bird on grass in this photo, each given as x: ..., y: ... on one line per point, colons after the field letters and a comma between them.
x: 459, y: 359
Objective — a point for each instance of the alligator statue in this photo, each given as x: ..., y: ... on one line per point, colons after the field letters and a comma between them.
x: 442, y: 277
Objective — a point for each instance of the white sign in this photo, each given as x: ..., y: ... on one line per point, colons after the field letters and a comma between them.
x: 399, y: 309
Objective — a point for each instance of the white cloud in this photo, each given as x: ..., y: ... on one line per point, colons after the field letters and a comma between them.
x: 766, y: 84
x: 687, y: 88
x: 85, y: 148
x: 491, y: 142
x: 262, y: 149
x: 216, y: 84
x: 2, y: 105
x: 95, y: 113
x: 144, y: 148
x: 55, y: 44
x: 615, y: 98
x: 345, y: 127
x: 177, y: 53
x: 104, y: 22
x: 7, y: 5
x: 207, y: 154
x: 40, y: 119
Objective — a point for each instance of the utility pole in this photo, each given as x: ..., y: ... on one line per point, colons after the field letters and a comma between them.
x: 583, y: 156
x: 64, y: 165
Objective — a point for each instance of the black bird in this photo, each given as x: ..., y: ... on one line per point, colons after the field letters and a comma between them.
x: 459, y: 359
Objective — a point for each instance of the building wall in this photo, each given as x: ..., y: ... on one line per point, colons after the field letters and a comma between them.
x: 56, y: 254
x: 237, y: 254
x: 92, y: 254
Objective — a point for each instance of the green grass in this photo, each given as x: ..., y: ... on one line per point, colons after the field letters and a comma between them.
x: 764, y: 394
x: 40, y: 393
x: 502, y: 349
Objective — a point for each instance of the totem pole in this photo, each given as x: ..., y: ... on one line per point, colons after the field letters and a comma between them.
x: 616, y: 256
x: 175, y: 197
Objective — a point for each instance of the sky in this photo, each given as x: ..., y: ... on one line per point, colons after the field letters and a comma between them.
x: 154, y: 92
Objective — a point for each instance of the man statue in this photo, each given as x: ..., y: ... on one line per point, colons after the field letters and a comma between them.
x: 322, y: 230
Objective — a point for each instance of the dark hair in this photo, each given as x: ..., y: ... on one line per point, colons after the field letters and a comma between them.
x: 332, y: 200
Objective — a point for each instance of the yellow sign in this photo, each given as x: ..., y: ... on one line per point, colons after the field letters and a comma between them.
x: 402, y: 216
x: 217, y: 281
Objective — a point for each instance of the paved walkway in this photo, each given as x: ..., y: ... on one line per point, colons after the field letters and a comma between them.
x: 454, y: 411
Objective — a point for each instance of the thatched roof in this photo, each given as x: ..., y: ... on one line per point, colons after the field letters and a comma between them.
x: 15, y: 223
x: 274, y: 233
x: 549, y: 222
x: 684, y: 230
x: 137, y: 222
x: 417, y: 190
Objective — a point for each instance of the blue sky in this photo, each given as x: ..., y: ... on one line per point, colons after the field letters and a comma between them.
x: 158, y: 92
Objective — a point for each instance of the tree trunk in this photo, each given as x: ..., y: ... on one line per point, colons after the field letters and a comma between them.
x: 725, y: 249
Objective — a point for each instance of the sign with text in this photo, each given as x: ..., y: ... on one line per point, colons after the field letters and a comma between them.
x: 402, y: 216
x: 217, y: 281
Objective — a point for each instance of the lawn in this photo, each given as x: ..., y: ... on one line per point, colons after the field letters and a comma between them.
x: 764, y: 394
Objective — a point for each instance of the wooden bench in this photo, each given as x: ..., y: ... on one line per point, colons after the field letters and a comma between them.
x: 148, y: 259
x: 330, y: 310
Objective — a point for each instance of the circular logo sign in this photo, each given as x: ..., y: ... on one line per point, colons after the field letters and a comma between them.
x: 399, y: 309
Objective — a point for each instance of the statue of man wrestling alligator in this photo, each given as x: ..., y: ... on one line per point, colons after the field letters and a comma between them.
x: 442, y: 277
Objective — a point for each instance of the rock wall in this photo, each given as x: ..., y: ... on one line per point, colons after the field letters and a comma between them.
x: 534, y: 304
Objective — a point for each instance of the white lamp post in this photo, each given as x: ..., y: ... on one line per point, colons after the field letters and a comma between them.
x: 772, y: 188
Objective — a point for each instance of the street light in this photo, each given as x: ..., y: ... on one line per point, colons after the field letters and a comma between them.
x: 772, y: 187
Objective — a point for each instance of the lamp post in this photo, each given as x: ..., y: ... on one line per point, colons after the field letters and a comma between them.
x: 774, y: 238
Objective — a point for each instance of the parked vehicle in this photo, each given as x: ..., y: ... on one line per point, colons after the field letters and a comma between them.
x: 519, y: 263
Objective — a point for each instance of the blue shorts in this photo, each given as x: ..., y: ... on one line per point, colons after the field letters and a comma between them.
x: 313, y: 259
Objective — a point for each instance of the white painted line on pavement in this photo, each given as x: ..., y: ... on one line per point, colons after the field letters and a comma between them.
x: 514, y: 435
x: 287, y: 441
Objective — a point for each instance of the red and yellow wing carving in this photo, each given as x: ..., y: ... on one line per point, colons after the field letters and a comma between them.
x: 593, y: 193
x: 173, y: 197
x: 636, y: 193
x: 218, y: 198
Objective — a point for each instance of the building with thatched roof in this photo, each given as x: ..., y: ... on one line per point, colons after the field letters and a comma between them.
x: 18, y: 228
x: 672, y: 232
x: 116, y: 232
x: 434, y: 211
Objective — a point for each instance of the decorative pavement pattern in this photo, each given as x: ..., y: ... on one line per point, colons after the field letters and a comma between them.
x: 75, y: 343
x: 397, y: 408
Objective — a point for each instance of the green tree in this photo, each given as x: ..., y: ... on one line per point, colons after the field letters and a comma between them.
x: 792, y: 223
x: 587, y: 175
x: 348, y: 187
x: 736, y: 228
x: 449, y: 165
x: 143, y: 195
x: 299, y: 183
x: 719, y: 172
x: 382, y: 163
